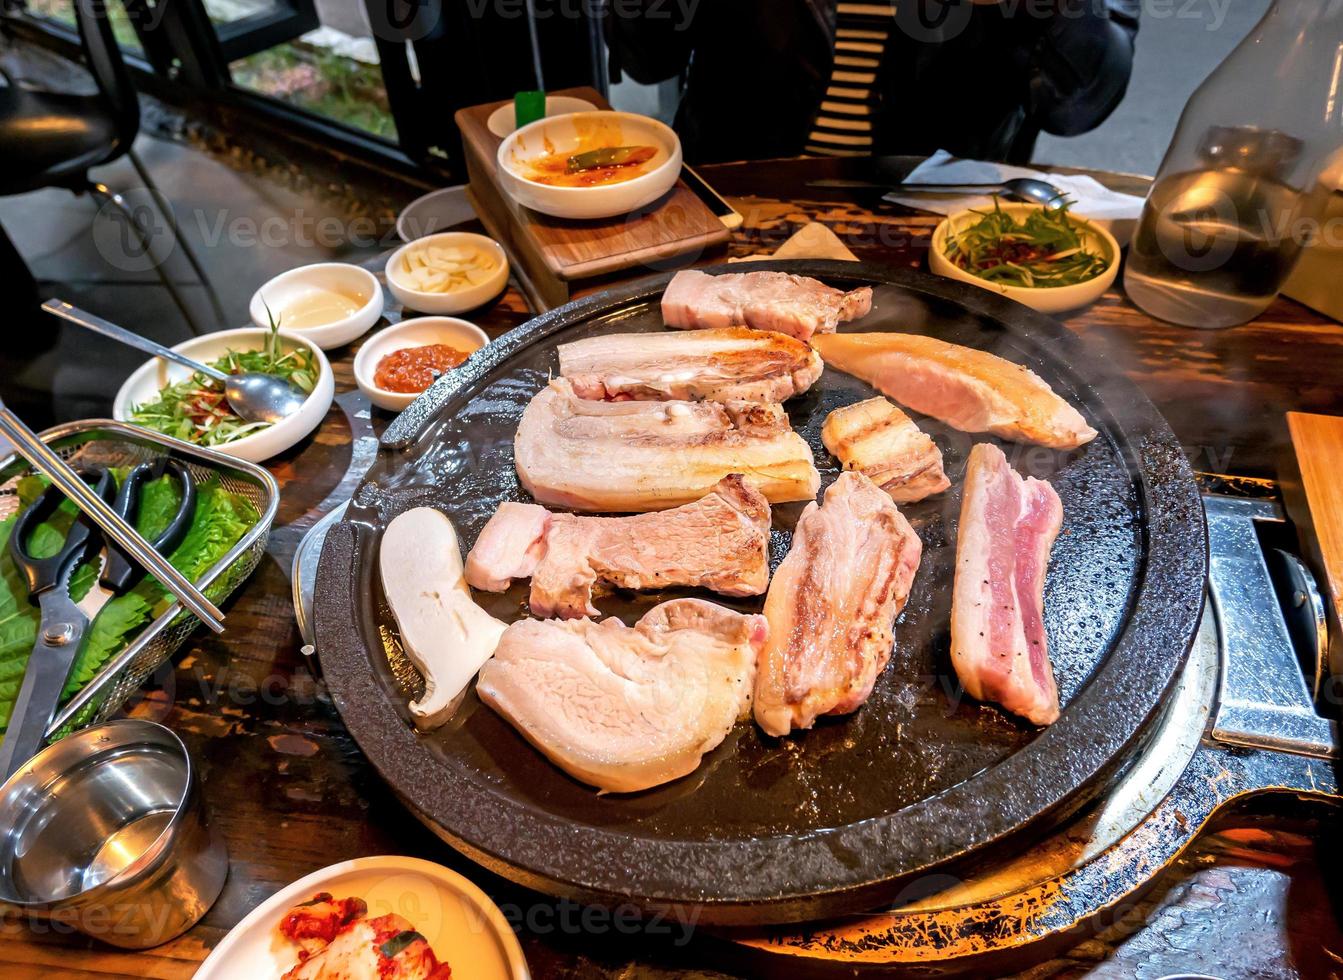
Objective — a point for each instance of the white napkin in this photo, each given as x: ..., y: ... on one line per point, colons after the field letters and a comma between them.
x: 1117, y: 212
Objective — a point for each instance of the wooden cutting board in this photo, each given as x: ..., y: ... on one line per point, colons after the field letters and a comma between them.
x: 1313, y: 492
x: 552, y: 256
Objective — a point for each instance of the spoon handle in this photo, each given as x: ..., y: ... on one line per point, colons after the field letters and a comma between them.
x: 97, y: 324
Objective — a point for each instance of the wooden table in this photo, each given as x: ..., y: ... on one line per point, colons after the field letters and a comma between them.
x: 292, y: 793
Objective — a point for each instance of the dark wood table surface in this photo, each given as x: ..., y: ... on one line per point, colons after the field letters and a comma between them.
x: 292, y: 793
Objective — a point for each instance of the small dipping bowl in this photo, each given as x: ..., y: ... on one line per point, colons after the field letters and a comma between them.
x: 457, y: 301
x: 105, y: 831
x: 418, y: 332
x: 293, y: 289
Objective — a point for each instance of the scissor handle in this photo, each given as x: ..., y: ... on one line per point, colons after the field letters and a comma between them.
x: 120, y: 570
x: 45, y: 574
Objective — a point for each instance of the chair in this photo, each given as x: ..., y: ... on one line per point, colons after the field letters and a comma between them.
x: 52, y: 139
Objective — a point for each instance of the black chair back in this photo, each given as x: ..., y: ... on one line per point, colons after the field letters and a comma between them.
x: 108, y: 67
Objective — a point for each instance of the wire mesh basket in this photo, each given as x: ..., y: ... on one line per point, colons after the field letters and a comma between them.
x: 105, y: 443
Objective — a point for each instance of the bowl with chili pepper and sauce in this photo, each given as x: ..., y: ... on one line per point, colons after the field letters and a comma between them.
x: 1045, y: 257
x: 396, y: 365
x: 590, y: 164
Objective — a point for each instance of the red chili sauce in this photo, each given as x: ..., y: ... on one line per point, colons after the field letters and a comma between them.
x: 413, y: 369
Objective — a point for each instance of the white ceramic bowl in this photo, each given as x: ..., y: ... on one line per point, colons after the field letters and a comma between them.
x: 150, y: 377
x: 502, y: 120
x: 462, y: 926
x: 289, y: 287
x: 565, y: 134
x: 410, y: 333
x: 447, y: 303
x: 1056, y: 299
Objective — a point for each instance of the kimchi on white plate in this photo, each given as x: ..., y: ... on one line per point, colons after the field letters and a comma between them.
x: 461, y: 925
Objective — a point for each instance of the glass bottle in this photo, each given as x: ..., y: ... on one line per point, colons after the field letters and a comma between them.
x: 1239, y: 190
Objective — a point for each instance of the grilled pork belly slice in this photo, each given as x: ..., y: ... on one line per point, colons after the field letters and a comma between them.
x: 637, y: 456
x: 444, y: 633
x: 795, y: 305
x: 626, y: 708
x: 735, y: 363
x: 998, y: 642
x: 968, y: 389
x: 832, y: 606
x: 720, y: 542
x: 384, y: 948
x: 883, y: 443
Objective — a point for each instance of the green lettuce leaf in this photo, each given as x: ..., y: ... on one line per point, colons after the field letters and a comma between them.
x: 221, y: 519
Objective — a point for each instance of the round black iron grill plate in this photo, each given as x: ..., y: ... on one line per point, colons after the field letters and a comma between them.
x: 839, y: 818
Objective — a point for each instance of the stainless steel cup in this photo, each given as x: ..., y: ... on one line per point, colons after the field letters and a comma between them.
x: 105, y: 832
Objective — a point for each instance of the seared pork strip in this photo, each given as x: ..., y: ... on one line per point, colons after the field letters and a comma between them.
x: 832, y: 606
x: 625, y: 708
x: 719, y: 542
x: 732, y: 364
x: 883, y: 443
x: 968, y: 389
x: 636, y: 456
x: 998, y: 641
x: 795, y: 305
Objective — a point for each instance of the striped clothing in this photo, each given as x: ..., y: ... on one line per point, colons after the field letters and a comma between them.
x: 843, y: 125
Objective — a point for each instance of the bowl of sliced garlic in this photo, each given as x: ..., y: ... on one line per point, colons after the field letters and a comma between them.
x: 451, y: 272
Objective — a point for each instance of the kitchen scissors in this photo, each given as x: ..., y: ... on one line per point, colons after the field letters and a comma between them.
x: 64, y: 623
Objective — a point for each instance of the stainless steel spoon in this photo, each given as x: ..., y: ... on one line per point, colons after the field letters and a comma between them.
x: 1021, y: 188
x: 256, y: 397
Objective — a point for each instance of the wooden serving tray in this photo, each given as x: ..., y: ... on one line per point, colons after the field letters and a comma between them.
x: 552, y: 256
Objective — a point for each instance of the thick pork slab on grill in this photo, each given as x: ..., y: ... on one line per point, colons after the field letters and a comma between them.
x: 735, y: 363
x: 625, y: 708
x: 968, y: 389
x: 998, y: 642
x: 883, y: 443
x: 636, y: 456
x: 832, y: 606
x: 795, y: 305
x: 719, y: 542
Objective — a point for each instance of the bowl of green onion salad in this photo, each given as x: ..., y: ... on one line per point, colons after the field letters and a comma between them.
x: 1046, y: 257
x: 190, y: 406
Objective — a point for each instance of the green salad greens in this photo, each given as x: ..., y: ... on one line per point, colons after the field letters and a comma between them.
x: 195, y: 410
x: 1048, y: 249
x: 222, y: 518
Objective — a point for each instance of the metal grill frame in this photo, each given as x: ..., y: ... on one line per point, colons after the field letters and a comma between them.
x: 104, y: 442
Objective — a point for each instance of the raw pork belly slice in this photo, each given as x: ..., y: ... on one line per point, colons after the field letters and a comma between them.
x: 794, y: 305
x: 832, y: 606
x: 635, y: 456
x: 625, y: 708
x: 720, y: 542
x: 968, y: 389
x: 883, y: 443
x: 998, y: 642
x: 511, y: 546
x: 733, y: 364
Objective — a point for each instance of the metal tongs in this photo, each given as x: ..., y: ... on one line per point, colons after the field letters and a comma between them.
x: 101, y: 513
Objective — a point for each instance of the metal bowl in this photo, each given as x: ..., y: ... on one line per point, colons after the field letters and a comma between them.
x: 105, y: 831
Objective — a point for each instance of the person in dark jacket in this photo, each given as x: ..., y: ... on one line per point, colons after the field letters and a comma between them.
x: 980, y: 78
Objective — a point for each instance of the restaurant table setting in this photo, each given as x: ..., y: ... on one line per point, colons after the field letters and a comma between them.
x: 658, y: 600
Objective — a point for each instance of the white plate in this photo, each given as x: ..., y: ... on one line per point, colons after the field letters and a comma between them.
x: 418, y: 332
x: 502, y: 121
x: 465, y: 929
x: 154, y: 374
